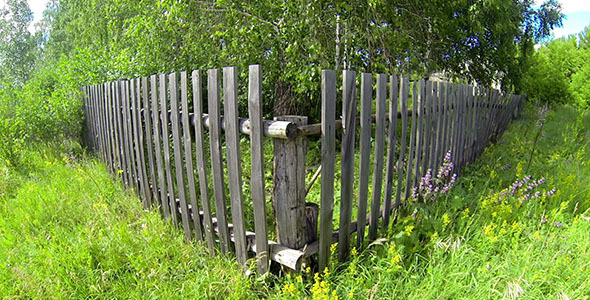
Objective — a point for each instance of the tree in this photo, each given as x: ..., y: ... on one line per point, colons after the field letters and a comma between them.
x: 482, y: 41
x: 18, y: 47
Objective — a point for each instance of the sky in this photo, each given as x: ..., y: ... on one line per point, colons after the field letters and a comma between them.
x: 37, y: 6
x: 577, y: 15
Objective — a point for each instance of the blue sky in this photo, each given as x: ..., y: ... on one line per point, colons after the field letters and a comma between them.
x: 577, y: 15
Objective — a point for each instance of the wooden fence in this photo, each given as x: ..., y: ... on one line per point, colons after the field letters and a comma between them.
x: 151, y: 132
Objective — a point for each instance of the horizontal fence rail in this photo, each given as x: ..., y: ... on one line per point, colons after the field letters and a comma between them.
x: 152, y: 132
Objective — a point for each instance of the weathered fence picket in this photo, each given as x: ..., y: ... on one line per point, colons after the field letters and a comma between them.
x: 364, y: 156
x: 139, y: 125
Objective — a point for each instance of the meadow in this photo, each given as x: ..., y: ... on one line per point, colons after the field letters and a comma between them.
x: 516, y: 225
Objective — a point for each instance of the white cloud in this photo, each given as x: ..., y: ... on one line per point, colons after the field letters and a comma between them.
x: 570, y: 6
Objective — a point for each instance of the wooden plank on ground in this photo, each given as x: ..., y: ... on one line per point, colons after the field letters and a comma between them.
x: 216, y: 156
x: 257, y: 160
x: 391, y: 137
x: 234, y: 162
x: 328, y: 165
x: 365, y: 153
x: 170, y: 197
x: 178, y: 157
x: 347, y: 163
x: 188, y: 156
x: 378, y: 156
x: 201, y: 160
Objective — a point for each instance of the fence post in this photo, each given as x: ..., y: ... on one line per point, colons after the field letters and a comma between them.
x: 293, y: 228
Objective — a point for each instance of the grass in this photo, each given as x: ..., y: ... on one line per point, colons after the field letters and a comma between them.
x: 68, y: 230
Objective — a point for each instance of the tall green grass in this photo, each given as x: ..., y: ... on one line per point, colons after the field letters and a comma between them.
x: 68, y: 230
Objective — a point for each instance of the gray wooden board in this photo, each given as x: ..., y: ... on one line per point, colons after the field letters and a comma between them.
x: 403, y: 99
x: 216, y: 156
x: 178, y: 157
x: 200, y: 153
x: 131, y: 135
x: 126, y: 133
x: 188, y: 156
x: 147, y: 117
x: 103, y: 121
x: 464, y: 123
x: 347, y: 163
x: 470, y: 125
x: 438, y: 152
x: 257, y: 169
x: 289, y: 188
x: 409, y: 168
x: 456, y: 117
x: 378, y: 155
x: 93, y: 109
x: 435, y: 120
x: 234, y: 163
x: 86, y: 119
x: 107, y: 126
x: 364, y: 155
x: 112, y: 130
x: 170, y: 197
x: 447, y: 119
x: 391, y: 136
x: 120, y: 131
x: 427, y: 129
x: 142, y: 143
x: 98, y: 123
x: 328, y: 165
x: 419, y: 133
x: 138, y: 140
x: 157, y: 132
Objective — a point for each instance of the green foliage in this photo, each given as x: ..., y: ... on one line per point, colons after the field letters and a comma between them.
x: 294, y: 40
x: 559, y: 71
x: 18, y: 47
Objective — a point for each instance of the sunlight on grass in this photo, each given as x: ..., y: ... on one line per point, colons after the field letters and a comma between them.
x: 69, y: 230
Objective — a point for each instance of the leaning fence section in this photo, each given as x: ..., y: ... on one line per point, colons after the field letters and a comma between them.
x: 153, y: 133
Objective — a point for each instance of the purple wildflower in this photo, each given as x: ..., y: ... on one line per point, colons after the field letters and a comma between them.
x: 551, y: 192
x: 506, y: 167
x: 557, y: 224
